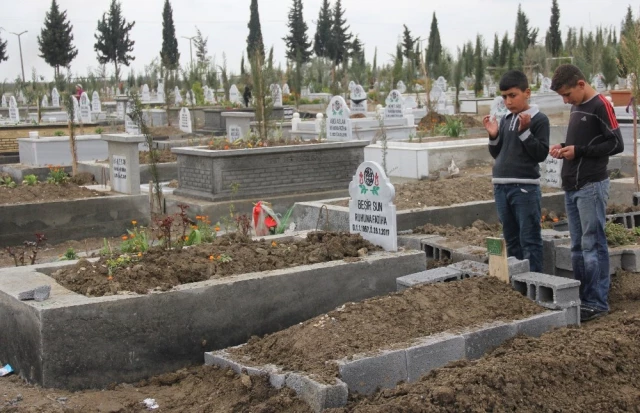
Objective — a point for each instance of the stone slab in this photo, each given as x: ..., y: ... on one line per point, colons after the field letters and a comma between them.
x: 368, y: 374
x: 539, y: 324
x: 482, y: 340
x: 433, y: 352
x: 436, y: 275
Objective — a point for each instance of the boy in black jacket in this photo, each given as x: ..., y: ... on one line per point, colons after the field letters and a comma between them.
x: 593, y: 135
x: 518, y: 145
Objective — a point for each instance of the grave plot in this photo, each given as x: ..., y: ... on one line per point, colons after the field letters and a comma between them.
x: 195, y: 299
x: 360, y: 347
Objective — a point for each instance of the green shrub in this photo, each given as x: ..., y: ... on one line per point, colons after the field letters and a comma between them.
x: 58, y: 133
x: 453, y: 128
x: 7, y: 181
x: 30, y: 180
x: 99, y: 131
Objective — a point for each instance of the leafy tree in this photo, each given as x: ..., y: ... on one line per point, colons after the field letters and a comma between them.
x: 3, y: 50
x: 408, y: 43
x: 323, y: 30
x: 357, y: 51
x: 169, y: 54
x: 55, y: 40
x: 505, y: 47
x: 553, y: 39
x: 434, y: 47
x: 200, y: 43
x: 254, y: 40
x: 610, y: 66
x: 112, y: 39
x: 479, y: 66
x: 340, y: 38
x: 627, y: 26
x: 297, y: 41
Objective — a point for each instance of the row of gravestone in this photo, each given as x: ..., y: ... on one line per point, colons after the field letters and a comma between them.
x: 82, y: 108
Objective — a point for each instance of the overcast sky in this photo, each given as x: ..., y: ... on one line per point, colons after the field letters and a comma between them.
x: 378, y: 24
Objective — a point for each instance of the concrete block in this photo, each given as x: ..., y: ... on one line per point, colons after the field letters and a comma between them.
x: 636, y: 198
x: 223, y: 360
x: 517, y: 266
x: 436, y: 275
x: 319, y: 396
x: 549, y: 291
x: 435, y: 249
x: 368, y: 374
x: 433, y: 352
x: 469, y: 269
x: 412, y: 241
x: 539, y: 324
x: 572, y: 315
x: 563, y: 257
x: 630, y: 260
x: 482, y: 340
x: 469, y: 253
x: 550, y: 240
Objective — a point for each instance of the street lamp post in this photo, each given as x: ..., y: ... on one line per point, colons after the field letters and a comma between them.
x: 190, y: 48
x: 20, y: 45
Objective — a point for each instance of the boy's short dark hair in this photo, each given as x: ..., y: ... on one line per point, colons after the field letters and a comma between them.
x: 514, y: 78
x: 566, y: 75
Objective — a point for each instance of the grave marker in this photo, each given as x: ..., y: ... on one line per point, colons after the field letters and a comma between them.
x: 551, y: 172
x: 401, y: 87
x: 352, y: 85
x: 498, y: 265
x: 235, y: 133
x: 285, y: 89
x: 545, y: 87
x: 14, y: 113
x: 120, y: 110
x: 76, y: 110
x: 287, y: 113
x: 160, y: 93
x: 394, y: 105
x: 85, y: 108
x: 177, y: 96
x: 185, y: 120
x: 124, y: 162
x: 21, y: 98
x: 55, y: 97
x: 234, y: 94
x: 4, y: 101
x: 96, y: 106
x: 338, y: 122
x: 209, y: 96
x: 498, y: 108
x: 358, y: 99
x: 276, y: 95
x: 410, y: 102
x: 372, y: 213
x: 45, y: 101
x: 146, y: 97
x: 441, y: 82
x: 130, y: 127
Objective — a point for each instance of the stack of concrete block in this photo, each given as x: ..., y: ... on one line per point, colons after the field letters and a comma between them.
x: 456, y: 272
x: 626, y: 258
x: 628, y: 220
x: 549, y: 291
x: 550, y: 240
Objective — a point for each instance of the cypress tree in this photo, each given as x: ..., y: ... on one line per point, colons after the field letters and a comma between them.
x: 55, y: 39
x: 627, y: 23
x: 568, y: 44
x: 495, y: 54
x: 357, y: 51
x: 200, y: 44
x: 340, y: 38
x: 374, y: 67
x: 323, y: 30
x: 112, y: 38
x: 254, y: 40
x: 270, y: 59
x: 169, y: 55
x: 505, y: 45
x: 242, y: 68
x: 479, y: 66
x: 554, y: 35
x: 469, y: 59
x: 297, y: 41
x: 434, y: 47
x: 3, y: 50
x: 521, y: 36
x: 408, y: 42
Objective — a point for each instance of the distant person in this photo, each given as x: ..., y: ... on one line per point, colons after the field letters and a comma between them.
x: 518, y: 144
x: 592, y: 136
x: 79, y: 91
x: 246, y: 96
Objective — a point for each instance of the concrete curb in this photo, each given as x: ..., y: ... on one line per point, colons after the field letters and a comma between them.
x: 617, y: 255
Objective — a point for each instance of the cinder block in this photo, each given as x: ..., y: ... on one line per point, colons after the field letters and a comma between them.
x: 222, y: 359
x: 549, y: 291
x: 436, y: 275
x: 572, y: 315
x: 367, y: 374
x: 636, y: 198
x: 470, y: 253
x: 482, y: 340
x: 435, y: 249
x: 318, y: 395
x: 630, y: 260
x: 539, y: 324
x: 517, y: 266
x: 469, y: 269
x: 413, y: 241
x: 563, y: 257
x: 433, y: 352
x: 550, y: 240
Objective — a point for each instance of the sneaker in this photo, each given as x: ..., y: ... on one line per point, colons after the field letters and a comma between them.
x: 588, y: 314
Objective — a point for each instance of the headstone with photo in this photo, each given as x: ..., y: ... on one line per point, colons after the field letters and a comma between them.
x: 234, y: 94
x: 551, y: 173
x: 185, y: 121
x: 145, y: 96
x: 401, y: 87
x: 394, y: 105
x: 14, y: 113
x: 372, y: 213
x: 498, y: 108
x: 96, y: 106
x: 286, y: 90
x: 177, y: 96
x: 45, y: 101
x: 276, y: 95
x: 358, y: 99
x: 338, y: 120
x: 4, y: 101
x: 85, y: 108
x: 235, y: 133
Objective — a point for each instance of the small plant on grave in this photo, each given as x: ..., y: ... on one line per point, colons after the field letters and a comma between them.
x: 228, y: 221
x: 284, y: 221
x: 202, y: 231
x: 57, y: 175
x: 164, y: 231
x: 243, y: 224
x: 136, y: 240
x: 185, y: 223
x: 58, y: 133
x: 453, y: 127
x: 70, y: 255
x: 19, y: 254
x: 223, y: 258
x: 30, y: 180
x: 99, y: 131
x: 118, y: 262
x: 618, y: 235
x: 7, y: 181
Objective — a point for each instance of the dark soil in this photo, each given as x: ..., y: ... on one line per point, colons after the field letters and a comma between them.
x: 223, y: 144
x: 434, y: 119
x: 621, y: 209
x: 475, y: 235
x: 44, y: 192
x: 385, y: 322
x: 163, y: 156
x: 589, y: 369
x: 161, y: 270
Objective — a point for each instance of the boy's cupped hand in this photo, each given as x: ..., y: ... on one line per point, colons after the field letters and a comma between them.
x: 491, y: 125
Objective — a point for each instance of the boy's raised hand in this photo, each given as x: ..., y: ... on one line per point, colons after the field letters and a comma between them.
x: 525, y: 121
x: 491, y: 125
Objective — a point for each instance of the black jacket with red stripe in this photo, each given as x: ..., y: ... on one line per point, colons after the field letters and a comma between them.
x: 593, y: 130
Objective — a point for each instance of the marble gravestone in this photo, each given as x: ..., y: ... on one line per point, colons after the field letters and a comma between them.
x: 55, y: 98
x: 185, y: 120
x: 85, y: 108
x: 96, y: 106
x: 401, y: 87
x: 372, y: 213
x: 4, y: 101
x: 358, y: 99
x: 551, y: 173
x: 146, y: 97
x: 14, y: 113
x: 234, y: 94
x: 338, y: 120
x: 45, y: 101
x: 394, y: 105
x: 276, y: 95
x: 286, y: 90
x: 177, y: 96
x: 498, y: 109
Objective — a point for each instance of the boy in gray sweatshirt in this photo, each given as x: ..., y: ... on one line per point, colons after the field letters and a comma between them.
x: 518, y: 144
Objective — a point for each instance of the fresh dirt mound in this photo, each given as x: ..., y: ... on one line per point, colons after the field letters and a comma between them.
x: 193, y: 390
x: 475, y: 235
x: 163, y: 156
x: 431, y: 120
x: 593, y: 368
x: 381, y: 323
x: 621, y: 209
x: 44, y: 192
x: 83, y: 178
x: 228, y: 255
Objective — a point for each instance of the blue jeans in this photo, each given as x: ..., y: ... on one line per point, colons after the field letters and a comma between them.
x: 519, y: 212
x: 586, y: 211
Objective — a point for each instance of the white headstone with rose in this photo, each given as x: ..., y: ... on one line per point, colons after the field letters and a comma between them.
x: 394, y: 105
x: 372, y: 213
x: 185, y: 120
x: 338, y: 122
